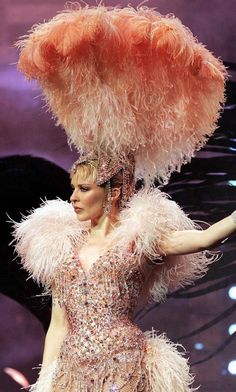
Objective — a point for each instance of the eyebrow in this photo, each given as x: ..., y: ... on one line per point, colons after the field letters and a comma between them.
x: 78, y: 184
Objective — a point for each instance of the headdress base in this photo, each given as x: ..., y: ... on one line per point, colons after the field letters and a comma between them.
x: 108, y: 168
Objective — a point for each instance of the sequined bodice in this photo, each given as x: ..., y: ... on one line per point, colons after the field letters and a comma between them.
x: 103, y: 350
x: 100, y: 304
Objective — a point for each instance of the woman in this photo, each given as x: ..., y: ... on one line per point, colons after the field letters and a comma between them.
x: 98, y: 262
x: 136, y: 91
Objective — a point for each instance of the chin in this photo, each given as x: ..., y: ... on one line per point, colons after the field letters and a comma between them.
x: 82, y: 218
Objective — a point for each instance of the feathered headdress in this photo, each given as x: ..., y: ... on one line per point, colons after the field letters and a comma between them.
x: 127, y: 81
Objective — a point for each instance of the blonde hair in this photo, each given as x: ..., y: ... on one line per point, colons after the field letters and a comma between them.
x: 86, y: 170
x: 89, y: 169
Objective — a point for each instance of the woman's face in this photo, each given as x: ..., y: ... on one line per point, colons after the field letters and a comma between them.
x: 87, y: 198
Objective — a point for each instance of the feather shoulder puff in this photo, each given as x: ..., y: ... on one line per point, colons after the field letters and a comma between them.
x: 46, y: 237
x: 149, y: 218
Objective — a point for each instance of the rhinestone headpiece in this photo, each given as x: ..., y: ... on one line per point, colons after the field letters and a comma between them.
x: 108, y: 168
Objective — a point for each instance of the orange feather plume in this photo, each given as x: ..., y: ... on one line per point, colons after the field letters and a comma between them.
x: 124, y: 80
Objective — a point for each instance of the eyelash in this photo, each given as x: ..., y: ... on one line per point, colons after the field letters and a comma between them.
x: 81, y: 188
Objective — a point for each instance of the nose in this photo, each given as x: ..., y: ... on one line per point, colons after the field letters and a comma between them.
x: 74, y: 196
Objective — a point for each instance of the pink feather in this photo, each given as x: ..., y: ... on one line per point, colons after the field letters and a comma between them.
x: 125, y: 80
x: 46, y: 237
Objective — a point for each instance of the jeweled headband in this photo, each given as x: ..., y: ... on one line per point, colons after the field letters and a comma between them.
x: 108, y: 168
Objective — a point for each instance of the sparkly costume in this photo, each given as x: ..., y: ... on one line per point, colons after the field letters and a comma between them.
x: 138, y: 87
x: 104, y: 350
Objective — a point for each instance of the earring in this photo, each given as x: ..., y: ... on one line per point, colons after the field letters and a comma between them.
x: 107, y: 206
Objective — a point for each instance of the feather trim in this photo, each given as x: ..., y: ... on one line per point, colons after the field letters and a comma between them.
x: 149, y: 218
x: 124, y: 80
x: 46, y: 237
x: 179, y: 271
x: 45, y: 378
x: 168, y: 370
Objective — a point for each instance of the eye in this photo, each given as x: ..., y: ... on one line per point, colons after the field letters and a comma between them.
x: 84, y: 189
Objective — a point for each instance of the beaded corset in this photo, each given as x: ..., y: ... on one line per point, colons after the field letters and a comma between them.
x: 99, y: 305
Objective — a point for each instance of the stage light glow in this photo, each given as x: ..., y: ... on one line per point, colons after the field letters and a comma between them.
x: 232, y: 367
x: 232, y: 292
x: 199, y: 346
x: 17, y: 376
x: 232, y: 329
x: 232, y: 182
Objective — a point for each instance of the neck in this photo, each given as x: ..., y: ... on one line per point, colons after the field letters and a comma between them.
x: 103, y: 225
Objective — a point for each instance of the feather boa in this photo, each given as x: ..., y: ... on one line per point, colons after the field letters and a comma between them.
x: 126, y: 80
x: 167, y: 368
x: 45, y: 378
x: 148, y: 219
x: 47, y: 236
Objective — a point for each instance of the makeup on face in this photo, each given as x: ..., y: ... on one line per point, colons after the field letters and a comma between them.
x: 87, y: 198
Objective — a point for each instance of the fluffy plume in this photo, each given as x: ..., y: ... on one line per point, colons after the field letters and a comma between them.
x: 124, y: 80
x: 45, y: 238
x: 168, y: 370
x: 44, y: 382
x: 149, y: 218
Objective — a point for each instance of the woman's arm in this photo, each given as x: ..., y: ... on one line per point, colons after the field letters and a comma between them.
x: 56, y: 333
x: 192, y: 241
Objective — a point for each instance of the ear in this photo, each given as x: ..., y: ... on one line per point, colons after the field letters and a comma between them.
x: 115, y: 194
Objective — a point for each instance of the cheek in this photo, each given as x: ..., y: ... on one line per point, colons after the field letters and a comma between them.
x: 93, y: 200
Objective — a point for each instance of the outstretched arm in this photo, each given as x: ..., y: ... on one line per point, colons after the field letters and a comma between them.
x: 192, y: 241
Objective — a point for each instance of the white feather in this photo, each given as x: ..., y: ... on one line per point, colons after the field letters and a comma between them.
x: 46, y: 237
x: 148, y: 219
x: 168, y: 370
x: 44, y: 381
